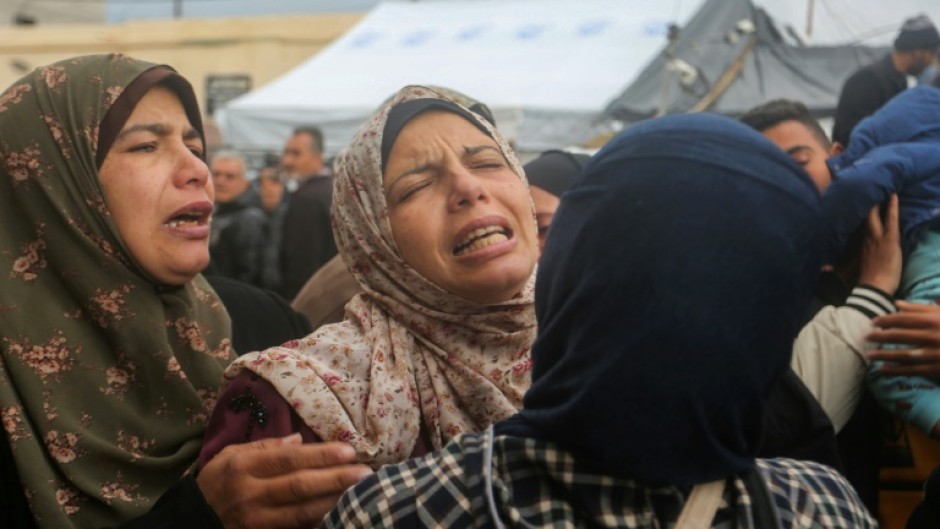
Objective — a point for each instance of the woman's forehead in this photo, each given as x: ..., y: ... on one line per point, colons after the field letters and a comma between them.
x: 441, y: 124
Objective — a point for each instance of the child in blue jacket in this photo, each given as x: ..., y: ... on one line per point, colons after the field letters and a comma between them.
x: 896, y: 150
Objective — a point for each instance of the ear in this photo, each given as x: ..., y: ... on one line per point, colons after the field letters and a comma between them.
x: 836, y: 148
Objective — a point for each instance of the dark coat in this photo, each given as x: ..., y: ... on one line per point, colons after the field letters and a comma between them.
x: 238, y: 238
x: 260, y: 318
x: 307, y: 242
x: 864, y: 92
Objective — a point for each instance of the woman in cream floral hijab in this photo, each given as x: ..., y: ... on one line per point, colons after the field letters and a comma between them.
x: 416, y: 362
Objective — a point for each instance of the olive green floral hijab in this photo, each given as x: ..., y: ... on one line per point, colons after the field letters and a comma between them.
x: 105, y: 376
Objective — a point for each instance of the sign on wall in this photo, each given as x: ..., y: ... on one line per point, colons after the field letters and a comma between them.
x: 221, y: 89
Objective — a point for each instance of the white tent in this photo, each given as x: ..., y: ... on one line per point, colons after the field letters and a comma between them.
x: 545, y: 67
x: 835, y: 22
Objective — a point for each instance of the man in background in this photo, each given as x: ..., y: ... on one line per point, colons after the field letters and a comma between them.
x: 866, y: 90
x: 307, y: 235
x: 238, y: 223
x: 274, y: 200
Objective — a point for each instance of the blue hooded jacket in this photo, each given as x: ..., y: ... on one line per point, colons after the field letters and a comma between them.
x: 895, y: 150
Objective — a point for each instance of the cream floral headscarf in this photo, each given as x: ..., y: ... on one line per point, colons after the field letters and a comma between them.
x: 105, y: 376
x: 408, y: 352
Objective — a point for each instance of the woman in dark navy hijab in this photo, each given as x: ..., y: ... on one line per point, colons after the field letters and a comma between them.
x: 668, y: 297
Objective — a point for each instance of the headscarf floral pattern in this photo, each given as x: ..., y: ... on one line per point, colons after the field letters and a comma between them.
x: 105, y: 376
x: 408, y: 352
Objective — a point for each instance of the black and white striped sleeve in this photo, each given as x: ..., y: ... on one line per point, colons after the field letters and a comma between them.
x: 871, y: 301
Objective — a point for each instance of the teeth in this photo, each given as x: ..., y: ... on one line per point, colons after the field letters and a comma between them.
x: 481, y: 238
x: 179, y: 223
x: 476, y: 234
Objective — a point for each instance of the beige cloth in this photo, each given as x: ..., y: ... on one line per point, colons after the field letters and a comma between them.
x: 829, y: 353
x: 324, y: 297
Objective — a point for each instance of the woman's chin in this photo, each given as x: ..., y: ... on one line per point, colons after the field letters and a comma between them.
x: 181, y: 271
x: 497, y: 286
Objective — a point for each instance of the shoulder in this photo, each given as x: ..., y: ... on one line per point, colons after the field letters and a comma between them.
x: 864, y: 77
x: 314, y: 193
x: 807, y: 492
x: 249, y: 216
x: 417, y: 491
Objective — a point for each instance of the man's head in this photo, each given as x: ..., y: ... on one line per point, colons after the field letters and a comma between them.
x: 228, y: 176
x: 303, y: 153
x: 789, y: 125
x: 917, y: 44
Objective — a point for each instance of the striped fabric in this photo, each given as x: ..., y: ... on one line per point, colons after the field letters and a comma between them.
x: 870, y: 301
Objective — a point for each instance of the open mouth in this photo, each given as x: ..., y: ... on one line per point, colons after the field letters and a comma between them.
x: 186, y: 221
x: 190, y: 216
x: 481, y: 238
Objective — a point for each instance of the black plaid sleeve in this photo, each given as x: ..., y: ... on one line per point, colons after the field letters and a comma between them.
x: 432, y: 491
x: 810, y: 495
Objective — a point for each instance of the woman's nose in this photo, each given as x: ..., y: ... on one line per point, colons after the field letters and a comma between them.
x: 467, y: 189
x: 192, y: 170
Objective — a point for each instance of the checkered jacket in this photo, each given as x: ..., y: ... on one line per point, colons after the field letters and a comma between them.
x: 533, y: 483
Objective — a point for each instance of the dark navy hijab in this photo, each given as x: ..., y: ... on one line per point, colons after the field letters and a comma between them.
x: 668, y: 297
x: 554, y: 170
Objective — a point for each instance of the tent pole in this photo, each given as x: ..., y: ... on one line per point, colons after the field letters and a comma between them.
x: 672, y: 36
x: 726, y: 78
x: 809, y: 18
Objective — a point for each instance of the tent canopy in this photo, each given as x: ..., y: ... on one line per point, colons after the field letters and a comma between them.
x: 549, y: 68
x: 545, y: 67
x: 732, y: 56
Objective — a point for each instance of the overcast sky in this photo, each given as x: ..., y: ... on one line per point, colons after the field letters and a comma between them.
x: 122, y: 10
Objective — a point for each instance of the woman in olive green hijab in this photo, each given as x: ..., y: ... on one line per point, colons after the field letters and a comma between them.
x: 112, y: 344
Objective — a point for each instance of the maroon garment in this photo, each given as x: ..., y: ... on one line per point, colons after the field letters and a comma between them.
x: 250, y: 400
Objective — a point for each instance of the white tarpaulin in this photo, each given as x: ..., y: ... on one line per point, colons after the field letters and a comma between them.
x: 545, y: 67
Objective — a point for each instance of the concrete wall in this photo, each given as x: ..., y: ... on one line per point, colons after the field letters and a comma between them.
x: 53, y: 11
x: 261, y: 47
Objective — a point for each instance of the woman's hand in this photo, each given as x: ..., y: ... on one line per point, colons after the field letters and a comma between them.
x: 917, y: 327
x: 278, y: 483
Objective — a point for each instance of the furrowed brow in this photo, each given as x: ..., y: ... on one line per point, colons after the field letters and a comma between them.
x: 192, y: 134
x: 155, y: 128
x: 470, y: 151
x: 158, y: 129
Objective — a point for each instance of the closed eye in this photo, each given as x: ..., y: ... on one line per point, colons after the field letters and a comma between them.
x: 197, y: 150
x: 144, y: 147
x: 410, y: 192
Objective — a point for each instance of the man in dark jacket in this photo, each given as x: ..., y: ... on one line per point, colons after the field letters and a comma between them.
x: 307, y: 235
x: 238, y: 222
x: 866, y: 90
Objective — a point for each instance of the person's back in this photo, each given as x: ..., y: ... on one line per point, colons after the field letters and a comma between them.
x: 506, y: 481
x: 652, y: 365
